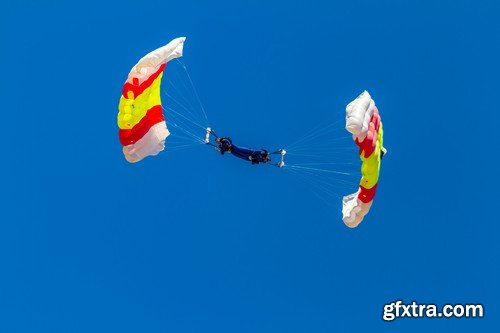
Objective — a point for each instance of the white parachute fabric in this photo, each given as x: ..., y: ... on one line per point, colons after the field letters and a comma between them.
x: 150, y: 63
x: 151, y: 144
x: 358, y: 115
x: 354, y: 210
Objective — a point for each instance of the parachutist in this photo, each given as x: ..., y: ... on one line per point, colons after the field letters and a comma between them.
x: 225, y: 145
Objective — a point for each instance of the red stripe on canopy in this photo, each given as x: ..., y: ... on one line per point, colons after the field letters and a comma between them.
x: 152, y: 117
x: 138, y: 89
x: 367, y: 194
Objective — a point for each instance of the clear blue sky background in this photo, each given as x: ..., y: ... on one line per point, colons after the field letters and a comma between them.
x: 90, y: 243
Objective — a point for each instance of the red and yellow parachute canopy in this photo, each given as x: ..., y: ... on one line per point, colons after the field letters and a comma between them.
x: 142, y: 127
x: 364, y: 123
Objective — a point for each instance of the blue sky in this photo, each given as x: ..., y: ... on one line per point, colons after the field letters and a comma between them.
x: 190, y: 241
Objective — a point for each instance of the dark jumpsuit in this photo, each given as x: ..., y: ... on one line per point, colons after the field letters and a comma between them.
x: 255, y: 156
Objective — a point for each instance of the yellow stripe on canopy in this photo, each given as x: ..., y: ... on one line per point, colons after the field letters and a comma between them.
x: 370, y: 167
x: 133, y: 109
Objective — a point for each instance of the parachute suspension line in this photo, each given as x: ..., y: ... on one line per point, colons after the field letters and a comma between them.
x: 188, y: 134
x: 316, y: 156
x: 319, y: 157
x: 322, y: 185
x: 319, y: 149
x: 326, y: 142
x: 320, y: 170
x: 185, y: 129
x: 184, y: 117
x: 308, y: 137
x: 317, y: 131
x: 186, y: 89
x: 187, y: 94
x: 185, y: 114
x: 185, y: 134
x: 174, y: 148
x: 330, y: 177
x: 324, y: 151
x: 326, y: 163
x: 322, y: 143
x: 180, y: 120
x: 190, y: 109
x: 194, y: 89
x: 333, y: 182
x: 304, y: 136
x: 324, y: 172
x: 319, y: 191
x: 324, y: 169
x: 325, y: 187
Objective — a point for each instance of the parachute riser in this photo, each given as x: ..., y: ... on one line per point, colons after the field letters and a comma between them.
x: 281, y: 152
x: 207, y: 135
x: 207, y: 138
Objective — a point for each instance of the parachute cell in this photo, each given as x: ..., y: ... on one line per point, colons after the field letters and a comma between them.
x: 364, y: 123
x: 142, y: 126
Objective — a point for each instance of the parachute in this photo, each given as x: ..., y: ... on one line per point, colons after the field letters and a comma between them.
x: 143, y: 131
x: 142, y: 126
x: 364, y: 123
